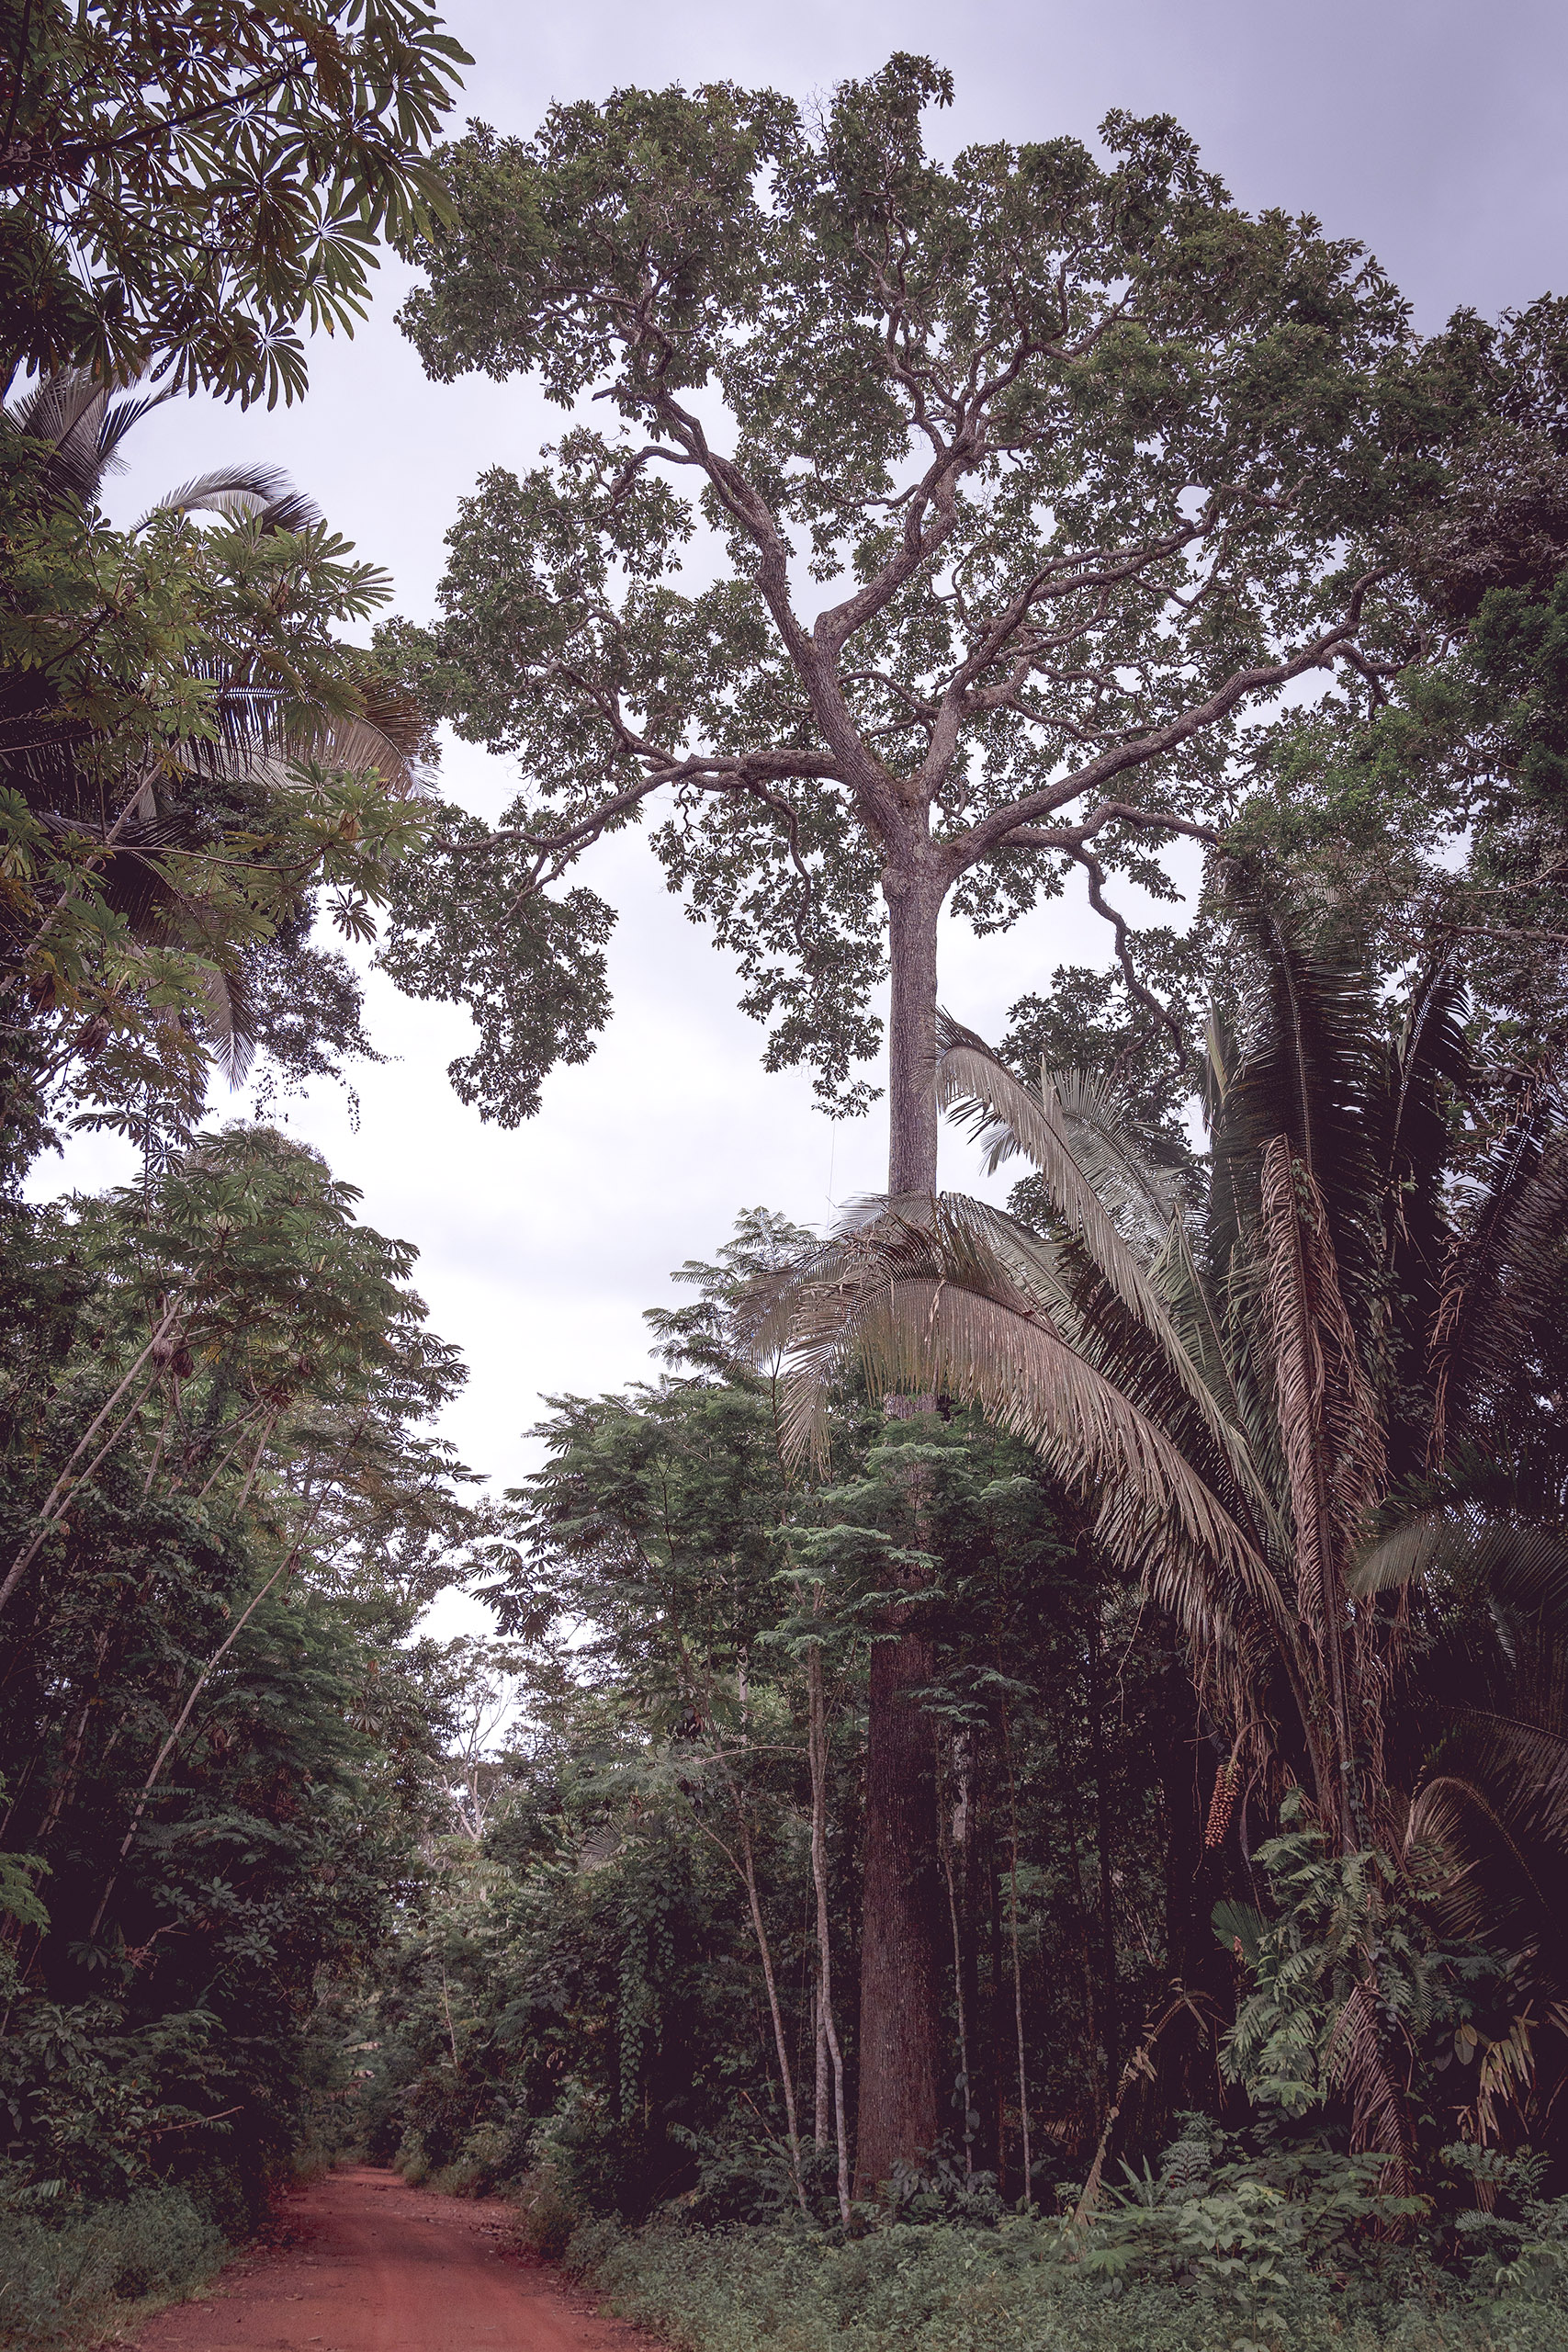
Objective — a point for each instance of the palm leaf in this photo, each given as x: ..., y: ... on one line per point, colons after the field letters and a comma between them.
x: 926, y: 1305
x: 1528, y: 1764
x: 1358, y: 2063
x: 1515, y: 1561
x: 1503, y: 1272
x: 969, y: 1076
x: 1328, y: 1422
x: 1307, y: 1065
x: 262, y: 493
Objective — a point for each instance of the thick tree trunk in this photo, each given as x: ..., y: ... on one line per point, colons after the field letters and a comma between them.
x: 1111, y: 2010
x: 900, y: 1968
x: 914, y: 905
x: 900, y: 2037
x: 960, y: 1860
x: 827, y: 2048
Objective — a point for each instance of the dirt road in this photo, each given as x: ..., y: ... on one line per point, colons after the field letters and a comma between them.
x: 374, y: 2265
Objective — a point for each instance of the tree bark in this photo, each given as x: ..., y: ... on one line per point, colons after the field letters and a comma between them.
x: 959, y: 1859
x: 914, y: 895
x: 899, y: 1969
x: 1111, y: 2012
x: 826, y: 2030
x: 900, y: 2035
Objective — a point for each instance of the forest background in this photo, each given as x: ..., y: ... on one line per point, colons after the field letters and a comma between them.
x: 532, y: 1949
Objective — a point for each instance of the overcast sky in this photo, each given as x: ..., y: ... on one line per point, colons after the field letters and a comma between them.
x: 1430, y: 131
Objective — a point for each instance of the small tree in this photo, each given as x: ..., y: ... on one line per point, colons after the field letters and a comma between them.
x: 1077, y: 454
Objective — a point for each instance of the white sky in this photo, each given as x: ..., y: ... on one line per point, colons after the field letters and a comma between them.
x: 1429, y: 130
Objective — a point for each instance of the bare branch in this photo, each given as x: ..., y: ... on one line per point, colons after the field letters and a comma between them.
x: 1070, y: 839
x: 1135, y: 987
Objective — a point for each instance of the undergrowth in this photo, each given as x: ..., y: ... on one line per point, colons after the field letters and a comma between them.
x: 70, y: 2276
x: 1274, y: 2249
x: 937, y: 2287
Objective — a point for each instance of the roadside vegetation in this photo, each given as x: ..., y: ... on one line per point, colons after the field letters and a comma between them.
x: 1019, y: 1794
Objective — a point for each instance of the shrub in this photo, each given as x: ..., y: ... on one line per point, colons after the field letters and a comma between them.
x: 66, y: 2273
x: 941, y: 2288
x: 545, y: 2220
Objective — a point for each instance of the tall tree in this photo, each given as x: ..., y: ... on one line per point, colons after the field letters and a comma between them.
x: 1076, y: 451
x: 222, y: 1512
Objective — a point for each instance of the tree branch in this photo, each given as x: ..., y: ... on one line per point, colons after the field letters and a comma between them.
x: 990, y: 832
x: 1118, y: 921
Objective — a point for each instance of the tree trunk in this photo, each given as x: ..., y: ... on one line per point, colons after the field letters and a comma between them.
x: 914, y: 905
x: 901, y: 2031
x: 1111, y: 2012
x: 1000, y: 2020
x: 899, y: 2038
x: 827, y: 2048
x: 960, y: 1859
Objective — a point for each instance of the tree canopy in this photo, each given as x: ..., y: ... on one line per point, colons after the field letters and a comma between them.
x: 188, y: 185
x: 1082, y: 462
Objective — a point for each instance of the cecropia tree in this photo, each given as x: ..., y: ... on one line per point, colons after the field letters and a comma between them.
x: 1015, y: 483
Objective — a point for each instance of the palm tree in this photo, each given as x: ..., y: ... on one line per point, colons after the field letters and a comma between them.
x: 1249, y: 1396
x: 270, y: 717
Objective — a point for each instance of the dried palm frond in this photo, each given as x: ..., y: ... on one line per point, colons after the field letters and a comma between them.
x: 1360, y: 2062
x: 1329, y: 1424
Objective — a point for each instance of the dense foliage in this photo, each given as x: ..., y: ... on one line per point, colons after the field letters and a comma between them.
x: 192, y: 764
x: 221, y: 1520
x: 221, y: 1512
x: 186, y: 186
x: 1020, y: 1789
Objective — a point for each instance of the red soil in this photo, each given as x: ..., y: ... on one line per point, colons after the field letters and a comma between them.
x: 373, y: 2265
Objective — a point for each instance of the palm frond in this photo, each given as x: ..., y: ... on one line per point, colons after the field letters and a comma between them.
x: 120, y: 418
x: 1135, y: 1175
x: 230, y: 1022
x: 1330, y: 1428
x: 968, y: 1076
x: 263, y: 492
x: 1503, y: 1272
x: 1358, y: 2061
x: 1196, y: 1321
x: 65, y: 410
x: 1453, y: 1821
x: 1528, y: 1764
x: 1518, y: 1562
x: 1433, y: 1052
x: 929, y: 1306
x: 1307, y: 1066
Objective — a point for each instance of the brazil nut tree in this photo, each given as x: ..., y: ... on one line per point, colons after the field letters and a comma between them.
x: 949, y: 520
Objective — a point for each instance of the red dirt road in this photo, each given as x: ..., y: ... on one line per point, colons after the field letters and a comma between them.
x: 375, y: 2265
